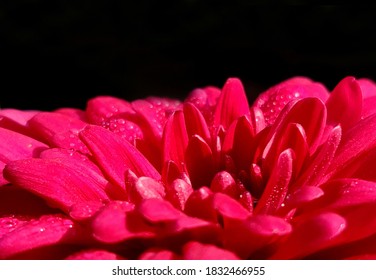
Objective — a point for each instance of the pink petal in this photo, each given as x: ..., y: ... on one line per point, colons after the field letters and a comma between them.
x: 369, y: 106
x: 20, y: 117
x: 155, y: 211
x: 199, y: 204
x: 311, y: 234
x: 292, y: 137
x: 277, y: 186
x: 115, y: 155
x: 178, y: 192
x: 84, y: 210
x: 145, y: 188
x: 246, y: 237
x: 175, y: 139
x: 35, y: 233
x: 197, y: 251
x: 16, y: 120
x: 94, y: 254
x: 242, y: 148
x: 227, y: 207
x: 15, y: 146
x: 205, y: 99
x: 199, y: 162
x: 273, y: 100
x: 101, y: 108
x: 73, y: 112
x: 302, y: 112
x: 47, y: 124
x: 232, y: 103
x: 354, y: 146
x: 223, y: 182
x: 344, y: 104
x: 173, y: 226
x: 59, y: 182
x: 318, y: 165
x: 354, y: 200
x: 2, y: 179
x: 257, y: 119
x: 195, y: 122
x: 153, y: 114
x: 368, y: 87
x: 117, y: 222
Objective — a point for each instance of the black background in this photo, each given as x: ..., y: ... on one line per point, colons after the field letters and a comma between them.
x: 59, y: 54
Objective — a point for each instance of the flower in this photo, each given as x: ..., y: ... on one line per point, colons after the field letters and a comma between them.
x: 209, y: 177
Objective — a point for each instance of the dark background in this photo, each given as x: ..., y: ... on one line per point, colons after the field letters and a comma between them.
x: 58, y: 54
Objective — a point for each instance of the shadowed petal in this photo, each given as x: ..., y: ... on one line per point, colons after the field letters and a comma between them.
x: 35, y: 233
x: 344, y: 104
x: 199, y: 162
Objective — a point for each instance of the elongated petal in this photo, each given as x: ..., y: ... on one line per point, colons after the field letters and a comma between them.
x: 175, y: 139
x: 199, y: 162
x: 59, y: 182
x: 292, y: 137
x: 232, y: 103
x: 115, y: 155
x: 355, y: 144
x: 35, y: 233
x: 277, y: 186
x: 344, y: 104
x: 303, y: 112
x: 195, y: 122
x: 242, y: 149
x: 15, y: 146
x: 319, y: 164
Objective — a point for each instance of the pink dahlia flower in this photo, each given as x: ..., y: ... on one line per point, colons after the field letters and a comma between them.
x: 291, y: 176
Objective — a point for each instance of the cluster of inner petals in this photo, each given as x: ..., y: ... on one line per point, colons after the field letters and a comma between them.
x: 208, y: 177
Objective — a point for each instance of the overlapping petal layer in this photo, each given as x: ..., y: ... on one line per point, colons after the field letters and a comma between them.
x: 289, y: 176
